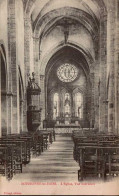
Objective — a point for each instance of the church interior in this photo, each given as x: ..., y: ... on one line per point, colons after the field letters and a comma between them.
x: 59, y: 97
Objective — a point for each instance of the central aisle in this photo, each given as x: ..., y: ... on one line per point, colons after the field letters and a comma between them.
x: 55, y: 164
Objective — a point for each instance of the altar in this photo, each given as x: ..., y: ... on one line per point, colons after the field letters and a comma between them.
x: 68, y: 121
x: 66, y: 128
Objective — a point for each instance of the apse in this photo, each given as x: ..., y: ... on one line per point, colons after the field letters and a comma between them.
x: 68, y: 89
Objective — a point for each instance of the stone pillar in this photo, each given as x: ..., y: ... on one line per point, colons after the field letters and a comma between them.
x: 21, y: 115
x: 12, y: 64
x: 42, y: 99
x: 27, y: 29
x: 27, y: 33
x: 96, y: 82
x: 96, y: 95
x: 36, y: 64
x: 103, y: 66
x: 36, y: 58
x: 9, y: 113
x: 111, y: 50
x: 87, y: 111
x: 116, y: 58
x: 9, y: 93
x: 92, y: 117
x: 117, y: 100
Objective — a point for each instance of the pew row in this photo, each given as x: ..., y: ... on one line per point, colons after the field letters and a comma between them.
x: 97, y: 155
x: 16, y: 150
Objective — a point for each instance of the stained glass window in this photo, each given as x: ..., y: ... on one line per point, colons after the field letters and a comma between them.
x: 67, y: 103
x: 55, y: 106
x: 79, y: 105
x: 67, y: 72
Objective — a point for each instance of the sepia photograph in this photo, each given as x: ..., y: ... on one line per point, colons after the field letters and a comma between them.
x: 59, y: 97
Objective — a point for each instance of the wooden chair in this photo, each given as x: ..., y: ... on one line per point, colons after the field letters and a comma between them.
x: 92, y: 163
x: 6, y: 160
x: 97, y: 155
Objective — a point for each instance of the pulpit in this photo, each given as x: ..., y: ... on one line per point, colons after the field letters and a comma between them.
x: 33, y: 102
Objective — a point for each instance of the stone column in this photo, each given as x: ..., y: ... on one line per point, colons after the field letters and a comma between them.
x: 103, y: 67
x: 111, y: 51
x: 92, y: 117
x: 12, y: 64
x: 9, y: 113
x: 9, y: 93
x: 42, y: 99
x: 117, y: 99
x: 116, y: 58
x: 36, y: 58
x: 27, y: 31
x: 36, y: 63
x: 96, y: 82
x: 21, y: 115
x: 88, y: 108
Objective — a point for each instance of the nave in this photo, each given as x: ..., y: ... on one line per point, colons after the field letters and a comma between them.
x: 54, y: 164
x: 59, y: 70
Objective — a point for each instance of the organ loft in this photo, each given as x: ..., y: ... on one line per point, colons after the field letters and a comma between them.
x: 59, y: 90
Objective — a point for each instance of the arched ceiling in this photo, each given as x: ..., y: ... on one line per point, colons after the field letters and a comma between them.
x: 45, y: 6
x: 40, y: 9
x: 52, y: 18
x: 47, y: 15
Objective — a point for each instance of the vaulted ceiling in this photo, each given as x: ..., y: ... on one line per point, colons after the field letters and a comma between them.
x: 54, y: 20
x: 41, y: 9
x: 43, y: 6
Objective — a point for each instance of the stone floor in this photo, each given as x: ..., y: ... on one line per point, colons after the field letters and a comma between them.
x: 55, y: 164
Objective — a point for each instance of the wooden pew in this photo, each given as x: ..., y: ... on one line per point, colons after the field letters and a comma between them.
x: 43, y: 139
x: 16, y: 150
x: 6, y: 160
x: 91, y: 164
x: 97, y: 155
x: 21, y: 153
x: 16, y: 155
x: 22, y: 146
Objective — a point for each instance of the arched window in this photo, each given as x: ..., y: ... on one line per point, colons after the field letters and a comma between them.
x: 55, y: 106
x: 79, y: 105
x: 67, y: 104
